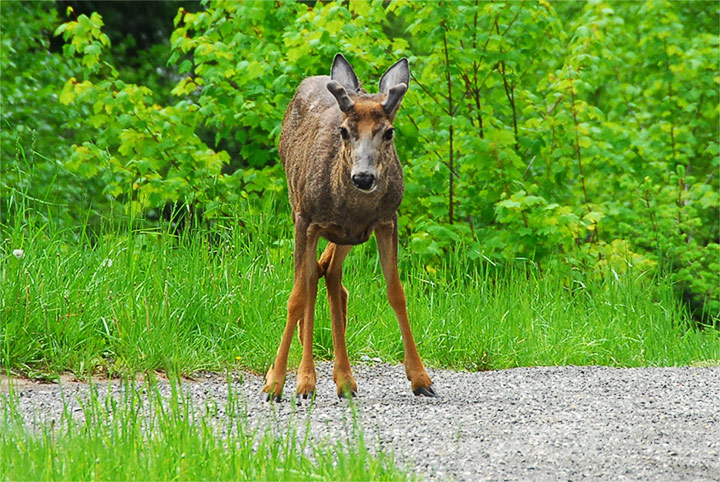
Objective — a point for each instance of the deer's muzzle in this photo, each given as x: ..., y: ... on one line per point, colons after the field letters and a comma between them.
x: 364, y: 181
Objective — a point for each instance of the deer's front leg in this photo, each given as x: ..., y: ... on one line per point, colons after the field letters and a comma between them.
x: 308, y: 278
x: 387, y: 239
x: 301, y: 298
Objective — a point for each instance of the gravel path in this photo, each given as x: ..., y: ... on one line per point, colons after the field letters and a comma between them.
x: 558, y: 423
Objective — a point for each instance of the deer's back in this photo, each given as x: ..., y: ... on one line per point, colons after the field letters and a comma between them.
x: 308, y: 121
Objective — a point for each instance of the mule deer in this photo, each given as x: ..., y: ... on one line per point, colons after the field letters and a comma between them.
x: 345, y: 182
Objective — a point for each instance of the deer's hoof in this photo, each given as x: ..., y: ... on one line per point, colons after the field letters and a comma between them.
x: 270, y: 393
x: 347, y: 394
x: 269, y: 397
x: 346, y: 385
x: 425, y: 391
x: 305, y: 397
x: 273, y: 388
x: 306, y: 380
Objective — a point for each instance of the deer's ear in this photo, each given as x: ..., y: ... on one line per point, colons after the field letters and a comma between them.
x: 399, y: 73
x: 392, y: 101
x: 341, y: 95
x: 343, y: 73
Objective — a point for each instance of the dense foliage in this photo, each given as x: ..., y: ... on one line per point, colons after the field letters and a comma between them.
x: 585, y: 134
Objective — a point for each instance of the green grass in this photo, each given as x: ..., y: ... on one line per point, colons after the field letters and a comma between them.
x: 130, y: 300
x: 115, y: 300
x: 154, y: 437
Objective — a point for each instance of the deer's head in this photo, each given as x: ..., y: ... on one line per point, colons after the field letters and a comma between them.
x: 366, y: 130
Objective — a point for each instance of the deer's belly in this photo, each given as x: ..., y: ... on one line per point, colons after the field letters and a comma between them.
x: 348, y: 235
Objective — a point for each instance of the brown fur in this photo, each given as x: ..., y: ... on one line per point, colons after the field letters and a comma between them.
x: 319, y: 180
x: 326, y: 203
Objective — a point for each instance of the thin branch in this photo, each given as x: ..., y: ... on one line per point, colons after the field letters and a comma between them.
x: 469, y: 88
x: 579, y: 158
x: 710, y: 176
x: 527, y: 169
x: 670, y: 96
x: 451, y: 112
x: 427, y: 91
x: 510, y: 94
x: 522, y: 74
x: 513, y: 20
x: 652, y: 218
x: 552, y: 109
x: 428, y: 142
x: 493, y: 24
x: 426, y: 111
x: 627, y: 101
x: 577, y: 143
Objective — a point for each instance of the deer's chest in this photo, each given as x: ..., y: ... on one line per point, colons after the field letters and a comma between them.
x: 344, y: 215
x: 351, y: 225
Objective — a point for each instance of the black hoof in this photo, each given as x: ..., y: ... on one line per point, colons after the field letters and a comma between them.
x: 425, y: 392
x: 268, y: 397
x: 344, y: 394
x: 309, y: 396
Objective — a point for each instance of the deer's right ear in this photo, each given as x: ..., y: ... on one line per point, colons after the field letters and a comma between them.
x: 398, y: 73
x: 343, y: 73
x: 341, y: 95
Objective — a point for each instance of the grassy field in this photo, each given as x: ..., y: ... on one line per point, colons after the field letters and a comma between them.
x: 150, y: 436
x: 129, y: 300
x: 134, y: 300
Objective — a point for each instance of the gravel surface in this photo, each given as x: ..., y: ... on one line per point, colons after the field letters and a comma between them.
x: 555, y: 423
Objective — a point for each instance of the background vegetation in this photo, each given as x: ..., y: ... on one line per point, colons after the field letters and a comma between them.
x: 217, y: 301
x: 562, y: 154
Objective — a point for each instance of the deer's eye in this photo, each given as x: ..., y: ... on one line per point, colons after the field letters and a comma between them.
x: 344, y: 133
x: 388, y: 134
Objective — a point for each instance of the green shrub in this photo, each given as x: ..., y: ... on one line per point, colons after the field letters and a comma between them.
x: 582, y: 134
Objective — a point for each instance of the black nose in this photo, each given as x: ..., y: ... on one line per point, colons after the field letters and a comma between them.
x: 363, y: 180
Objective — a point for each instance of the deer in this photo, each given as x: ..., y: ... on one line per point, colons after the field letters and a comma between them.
x: 345, y: 182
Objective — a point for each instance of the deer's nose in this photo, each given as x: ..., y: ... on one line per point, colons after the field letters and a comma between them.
x: 363, y: 180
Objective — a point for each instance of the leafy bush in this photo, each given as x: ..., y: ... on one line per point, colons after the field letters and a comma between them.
x: 581, y: 133
x: 537, y: 134
x: 35, y: 129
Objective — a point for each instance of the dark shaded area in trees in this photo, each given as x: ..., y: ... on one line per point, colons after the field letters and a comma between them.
x: 148, y: 22
x: 140, y: 34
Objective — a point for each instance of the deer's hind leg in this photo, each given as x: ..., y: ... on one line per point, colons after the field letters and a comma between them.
x: 330, y: 265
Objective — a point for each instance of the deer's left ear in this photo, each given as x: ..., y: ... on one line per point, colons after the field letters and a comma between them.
x: 392, y: 101
x: 399, y: 73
